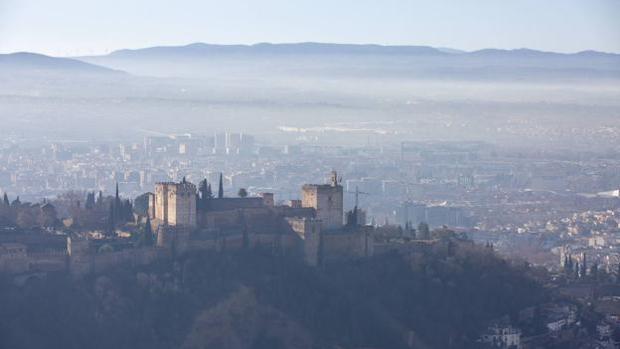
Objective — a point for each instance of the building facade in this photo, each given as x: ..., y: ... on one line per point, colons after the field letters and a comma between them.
x: 327, y: 200
x: 175, y: 204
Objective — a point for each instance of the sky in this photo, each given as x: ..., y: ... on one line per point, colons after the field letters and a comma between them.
x: 84, y: 27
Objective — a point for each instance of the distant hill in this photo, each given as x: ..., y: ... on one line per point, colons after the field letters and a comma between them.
x: 267, y: 60
x: 348, y: 49
x: 37, y: 63
x: 279, y: 49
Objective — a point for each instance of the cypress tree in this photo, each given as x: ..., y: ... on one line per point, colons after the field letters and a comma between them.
x: 6, y: 200
x: 220, y: 190
x: 147, y: 233
x: 118, y: 209
x: 594, y: 271
x: 90, y: 201
x: 577, y: 270
x: 111, y: 220
x: 584, y: 266
x: 204, y: 188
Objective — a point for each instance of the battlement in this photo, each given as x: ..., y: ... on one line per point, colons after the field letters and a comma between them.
x: 179, y: 188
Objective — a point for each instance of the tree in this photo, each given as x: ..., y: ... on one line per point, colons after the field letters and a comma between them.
x: 569, y: 265
x: 147, y: 238
x: 594, y: 271
x: 577, y: 270
x: 127, y: 211
x: 220, y: 190
x: 242, y: 193
x: 117, y: 204
x: 111, y: 219
x: 205, y: 194
x: 351, y: 217
x: 204, y: 186
x: 100, y: 198
x: 26, y: 218
x: 6, y: 200
x: 90, y: 201
x: 141, y: 204
x: 584, y: 266
x: 424, y: 232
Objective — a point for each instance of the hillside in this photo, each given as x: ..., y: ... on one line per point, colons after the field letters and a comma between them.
x: 441, y: 298
x: 33, y: 63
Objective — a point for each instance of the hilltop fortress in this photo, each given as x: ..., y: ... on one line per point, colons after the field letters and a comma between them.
x: 183, y: 220
x: 312, y: 228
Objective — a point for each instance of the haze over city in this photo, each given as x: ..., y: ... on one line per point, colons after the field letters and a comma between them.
x: 310, y: 174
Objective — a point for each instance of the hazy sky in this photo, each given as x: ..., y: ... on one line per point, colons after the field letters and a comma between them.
x: 76, y: 27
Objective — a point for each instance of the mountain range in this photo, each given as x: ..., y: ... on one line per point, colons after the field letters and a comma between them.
x: 266, y: 60
x: 350, y: 49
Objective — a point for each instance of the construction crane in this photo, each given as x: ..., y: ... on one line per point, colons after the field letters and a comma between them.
x: 357, y: 193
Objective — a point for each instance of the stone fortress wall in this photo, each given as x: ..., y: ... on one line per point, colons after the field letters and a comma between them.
x: 313, y: 232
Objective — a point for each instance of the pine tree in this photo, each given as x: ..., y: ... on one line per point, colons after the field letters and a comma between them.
x: 220, y: 190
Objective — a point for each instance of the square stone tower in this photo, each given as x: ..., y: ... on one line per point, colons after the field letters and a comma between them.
x: 327, y: 200
x: 175, y: 204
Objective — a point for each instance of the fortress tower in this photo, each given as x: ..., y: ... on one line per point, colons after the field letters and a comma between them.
x: 175, y: 204
x: 327, y: 200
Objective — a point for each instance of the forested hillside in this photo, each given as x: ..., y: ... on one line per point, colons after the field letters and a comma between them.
x: 439, y: 298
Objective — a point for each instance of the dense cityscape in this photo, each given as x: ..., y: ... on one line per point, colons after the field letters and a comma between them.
x: 400, y: 193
